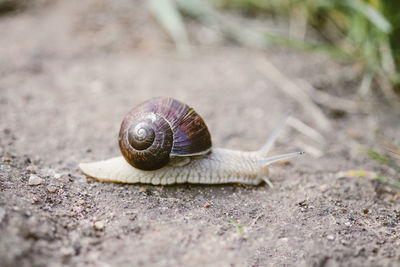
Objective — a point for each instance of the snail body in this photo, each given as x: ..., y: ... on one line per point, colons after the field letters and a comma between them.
x: 164, y: 141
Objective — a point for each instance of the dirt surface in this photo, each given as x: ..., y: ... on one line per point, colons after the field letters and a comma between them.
x: 70, y: 70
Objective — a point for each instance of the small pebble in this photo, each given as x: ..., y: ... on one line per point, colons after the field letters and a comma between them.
x: 35, y: 180
x: 323, y: 188
x: 142, y: 190
x: 15, y: 208
x: 344, y: 242
x: 330, y: 237
x: 31, y: 169
x: 99, y: 225
x: 7, y: 159
x: 347, y: 224
x: 35, y: 200
x: 206, y: 205
x: 51, y: 188
x: 57, y: 175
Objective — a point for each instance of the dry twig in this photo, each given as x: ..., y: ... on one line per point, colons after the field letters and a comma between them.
x: 294, y: 91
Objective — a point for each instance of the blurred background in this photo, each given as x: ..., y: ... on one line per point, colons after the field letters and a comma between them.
x: 361, y: 33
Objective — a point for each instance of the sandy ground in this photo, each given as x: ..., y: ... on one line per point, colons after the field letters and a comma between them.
x: 70, y: 70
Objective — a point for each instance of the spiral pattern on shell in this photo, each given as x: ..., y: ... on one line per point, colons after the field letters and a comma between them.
x: 161, y: 128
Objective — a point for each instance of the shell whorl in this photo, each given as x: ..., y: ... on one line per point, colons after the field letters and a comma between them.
x: 160, y: 128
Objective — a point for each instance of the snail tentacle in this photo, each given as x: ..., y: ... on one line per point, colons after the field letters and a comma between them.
x: 269, y: 160
x: 271, y: 140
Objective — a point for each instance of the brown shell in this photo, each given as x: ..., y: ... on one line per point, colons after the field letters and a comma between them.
x: 159, y: 128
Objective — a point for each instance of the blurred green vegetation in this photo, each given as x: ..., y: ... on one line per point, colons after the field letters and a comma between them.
x: 388, y: 159
x: 364, y: 32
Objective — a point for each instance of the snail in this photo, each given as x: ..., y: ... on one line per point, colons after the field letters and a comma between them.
x: 164, y: 141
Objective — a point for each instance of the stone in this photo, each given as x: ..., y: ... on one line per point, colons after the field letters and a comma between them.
x: 34, y: 180
x: 99, y: 225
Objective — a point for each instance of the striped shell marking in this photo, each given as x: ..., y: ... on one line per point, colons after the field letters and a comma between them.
x: 161, y: 128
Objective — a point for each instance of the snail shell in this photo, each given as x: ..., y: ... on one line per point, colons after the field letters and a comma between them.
x: 159, y: 129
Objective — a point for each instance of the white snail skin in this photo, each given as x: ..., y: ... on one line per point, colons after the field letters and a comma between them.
x: 219, y: 167
x: 212, y: 166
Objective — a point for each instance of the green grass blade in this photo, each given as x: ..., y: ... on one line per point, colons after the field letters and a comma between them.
x: 382, y: 159
x: 373, y: 15
x: 167, y: 14
x: 386, y: 181
x: 239, y: 228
